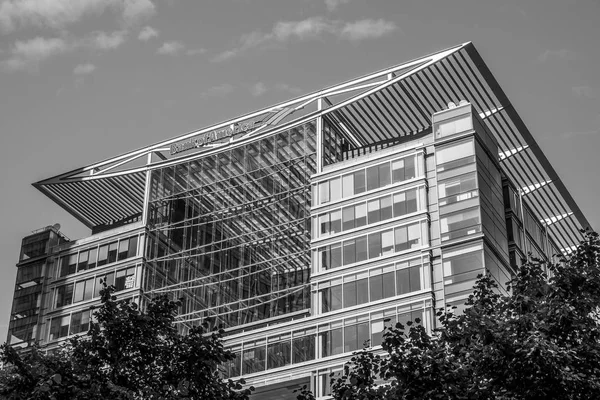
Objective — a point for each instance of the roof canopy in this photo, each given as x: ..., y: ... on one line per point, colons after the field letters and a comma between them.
x: 383, y: 106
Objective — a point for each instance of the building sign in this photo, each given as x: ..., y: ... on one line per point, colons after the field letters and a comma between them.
x: 213, y: 136
x: 129, y: 282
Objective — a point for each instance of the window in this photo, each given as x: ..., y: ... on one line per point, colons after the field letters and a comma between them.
x: 335, y: 188
x: 93, y: 254
x: 348, y: 218
x: 112, y: 252
x: 83, y: 261
x: 331, y: 298
x: 407, y: 237
x: 456, y: 125
x: 355, y: 336
x: 457, y: 189
x: 123, y: 249
x: 102, y: 255
x: 349, y: 252
x: 408, y: 280
x: 59, y: 327
x: 83, y: 290
x: 63, y: 295
x: 324, y: 192
x: 253, y: 360
x: 377, y: 329
x: 463, y: 264
x: 373, y: 177
x: 124, y: 279
x: 332, y: 342
x: 336, y: 221
x: 360, y: 215
x: 403, y: 169
x: 68, y: 265
x: 373, y: 210
x: 80, y: 322
x: 460, y: 224
x: 348, y: 185
x: 359, y: 181
x: 279, y: 354
x: 303, y: 349
x: 385, y: 205
x: 455, y: 156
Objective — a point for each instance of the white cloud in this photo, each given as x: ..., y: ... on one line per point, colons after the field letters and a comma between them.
x: 284, y: 87
x: 310, y: 28
x: 105, y: 41
x: 258, y: 89
x: 218, y: 91
x: 28, y: 54
x: 57, y: 14
x: 367, y: 29
x: 170, y: 48
x: 84, y: 69
x: 137, y: 10
x: 333, y: 4
x: 147, y: 33
x: 195, y: 52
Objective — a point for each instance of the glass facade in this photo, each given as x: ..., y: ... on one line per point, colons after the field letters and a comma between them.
x: 230, y: 232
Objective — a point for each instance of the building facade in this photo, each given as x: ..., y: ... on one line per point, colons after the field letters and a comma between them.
x: 302, y: 227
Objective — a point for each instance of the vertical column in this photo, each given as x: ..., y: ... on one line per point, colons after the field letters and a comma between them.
x: 319, y: 137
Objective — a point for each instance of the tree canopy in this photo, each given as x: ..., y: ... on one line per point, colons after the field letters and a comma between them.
x: 540, y: 341
x: 127, y: 354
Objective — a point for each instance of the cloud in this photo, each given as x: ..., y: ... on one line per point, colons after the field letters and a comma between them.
x: 170, y: 48
x: 84, y: 69
x: 584, y: 91
x: 147, y: 33
x: 57, y: 14
x: 28, y: 54
x: 367, y: 29
x: 194, y: 52
x: 218, y: 91
x: 307, y: 29
x: 105, y: 41
x: 258, y: 89
x: 333, y: 4
x: 561, y: 54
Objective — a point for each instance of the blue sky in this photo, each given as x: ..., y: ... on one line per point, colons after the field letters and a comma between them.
x: 81, y: 81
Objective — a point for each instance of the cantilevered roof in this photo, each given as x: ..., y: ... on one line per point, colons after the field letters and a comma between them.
x: 391, y: 104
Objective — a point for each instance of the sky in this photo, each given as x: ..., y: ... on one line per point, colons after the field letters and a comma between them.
x: 82, y: 81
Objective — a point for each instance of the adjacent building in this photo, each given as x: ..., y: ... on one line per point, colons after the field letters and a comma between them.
x: 302, y: 227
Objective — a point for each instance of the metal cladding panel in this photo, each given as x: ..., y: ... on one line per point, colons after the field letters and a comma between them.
x: 98, y: 201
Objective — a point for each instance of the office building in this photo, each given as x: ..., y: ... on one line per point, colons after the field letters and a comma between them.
x: 301, y: 227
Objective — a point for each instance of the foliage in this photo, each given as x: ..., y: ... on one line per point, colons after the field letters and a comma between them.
x: 540, y: 341
x: 127, y: 354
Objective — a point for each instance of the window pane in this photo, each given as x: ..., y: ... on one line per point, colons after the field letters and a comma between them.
x: 386, y: 207
x: 92, y: 258
x: 348, y: 185
x: 414, y: 235
x: 112, y: 252
x: 398, y: 171
x: 279, y: 354
x: 324, y: 224
x: 410, y: 170
x: 336, y: 256
x: 400, y: 204
x: 374, y: 245
x: 336, y: 221
x: 349, y: 294
x: 363, y: 334
x: 132, y: 247
x: 323, y: 192
x: 350, y: 338
x: 387, y: 242
x: 361, y: 249
x: 335, y: 188
x: 411, y: 201
x: 303, y: 349
x: 348, y: 218
x: 403, y: 281
x: 123, y: 249
x: 72, y: 267
x: 336, y: 297
x: 79, y: 287
x: 384, y: 174
x: 253, y: 360
x: 401, y: 238
x: 372, y: 177
x: 83, y: 261
x: 455, y: 156
x: 362, y: 291
x: 360, y: 214
x: 376, y: 287
x: 388, y: 285
x: 349, y: 252
x: 89, y: 289
x: 337, y: 341
x: 374, y: 214
x: 359, y: 181
x: 103, y: 255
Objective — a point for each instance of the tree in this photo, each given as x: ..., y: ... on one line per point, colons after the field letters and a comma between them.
x: 539, y: 341
x: 127, y: 354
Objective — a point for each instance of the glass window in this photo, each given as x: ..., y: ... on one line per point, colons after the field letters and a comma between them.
x: 377, y: 329
x: 362, y: 291
x: 411, y: 201
x: 253, y: 360
x: 335, y: 188
x: 324, y: 192
x: 349, y: 252
x: 372, y: 177
x: 349, y: 294
x: 460, y: 224
x: 359, y: 181
x: 376, y: 287
x: 132, y: 252
x: 303, y: 349
x: 400, y: 204
x: 348, y: 218
x: 123, y: 279
x: 374, y: 245
x: 63, y: 295
x: 387, y: 242
x: 455, y: 156
x: 83, y: 261
x: 384, y: 174
x: 103, y: 255
x: 401, y: 238
x: 93, y: 254
x: 324, y: 224
x: 361, y: 249
x: 373, y: 209
x: 386, y: 207
x: 388, y: 285
x: 80, y: 322
x: 112, y: 252
x: 336, y: 221
x: 462, y: 265
x: 71, y: 266
x: 59, y: 327
x: 331, y: 298
x: 336, y: 256
x: 83, y: 290
x: 453, y: 126
x: 360, y: 214
x: 408, y: 280
x: 348, y: 185
x: 279, y: 354
x: 398, y: 171
x: 123, y: 249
